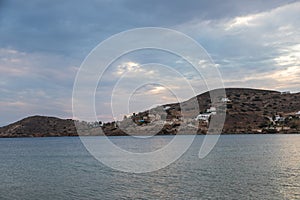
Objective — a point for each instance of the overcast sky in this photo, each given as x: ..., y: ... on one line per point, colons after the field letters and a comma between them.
x: 43, y: 43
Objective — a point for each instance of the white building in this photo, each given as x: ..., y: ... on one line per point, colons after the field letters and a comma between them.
x: 212, y: 110
x: 203, y: 117
x: 167, y: 108
x: 225, y: 99
x: 278, y: 118
x: 286, y: 92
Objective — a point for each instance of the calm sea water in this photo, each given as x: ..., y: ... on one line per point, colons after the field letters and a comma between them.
x: 239, y: 167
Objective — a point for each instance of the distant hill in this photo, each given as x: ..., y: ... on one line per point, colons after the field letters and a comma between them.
x: 39, y: 126
x: 248, y: 111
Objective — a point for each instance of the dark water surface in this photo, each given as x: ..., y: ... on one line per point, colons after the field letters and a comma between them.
x: 239, y: 167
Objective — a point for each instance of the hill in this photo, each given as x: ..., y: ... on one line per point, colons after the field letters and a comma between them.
x: 39, y: 126
x: 247, y: 111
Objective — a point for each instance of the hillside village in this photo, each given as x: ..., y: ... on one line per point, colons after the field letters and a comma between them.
x: 248, y: 111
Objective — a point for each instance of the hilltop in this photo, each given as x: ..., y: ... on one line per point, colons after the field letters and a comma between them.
x: 39, y: 126
x: 247, y: 111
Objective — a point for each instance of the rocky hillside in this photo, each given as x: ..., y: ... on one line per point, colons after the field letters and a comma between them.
x: 247, y: 111
x: 42, y: 126
x: 252, y: 110
x: 39, y: 126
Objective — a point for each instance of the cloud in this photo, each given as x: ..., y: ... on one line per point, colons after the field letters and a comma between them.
x: 289, y: 56
x: 42, y: 44
x: 245, y: 21
x: 128, y: 67
x: 251, y: 46
x: 35, y: 83
x: 75, y: 27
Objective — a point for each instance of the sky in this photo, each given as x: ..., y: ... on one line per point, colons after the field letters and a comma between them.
x: 254, y: 44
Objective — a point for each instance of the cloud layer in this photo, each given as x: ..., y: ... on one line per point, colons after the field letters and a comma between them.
x: 42, y: 44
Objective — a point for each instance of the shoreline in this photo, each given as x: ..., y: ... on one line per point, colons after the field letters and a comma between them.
x: 248, y: 111
x: 77, y: 136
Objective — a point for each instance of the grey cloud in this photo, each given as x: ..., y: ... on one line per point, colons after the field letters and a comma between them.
x: 252, y: 48
x: 178, y: 11
x: 74, y: 27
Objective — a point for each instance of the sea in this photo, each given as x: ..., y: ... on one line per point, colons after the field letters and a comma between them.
x: 238, y: 167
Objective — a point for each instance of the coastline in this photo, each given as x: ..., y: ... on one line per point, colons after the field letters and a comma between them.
x: 248, y: 111
x: 77, y: 136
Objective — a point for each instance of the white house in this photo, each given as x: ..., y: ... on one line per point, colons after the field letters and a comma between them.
x: 212, y: 110
x: 278, y: 118
x: 286, y: 92
x: 225, y: 99
x: 203, y: 117
x: 167, y: 108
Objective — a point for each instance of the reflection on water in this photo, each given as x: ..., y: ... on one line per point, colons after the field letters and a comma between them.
x: 289, y: 162
x: 240, y: 166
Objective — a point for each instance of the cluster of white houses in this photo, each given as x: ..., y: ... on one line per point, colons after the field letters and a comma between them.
x: 155, y: 117
x: 279, y: 118
x: 211, y: 111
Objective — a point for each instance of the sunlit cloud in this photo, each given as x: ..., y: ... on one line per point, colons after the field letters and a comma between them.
x: 287, y: 75
x: 289, y: 56
x: 128, y: 67
x: 241, y: 22
x: 157, y: 90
